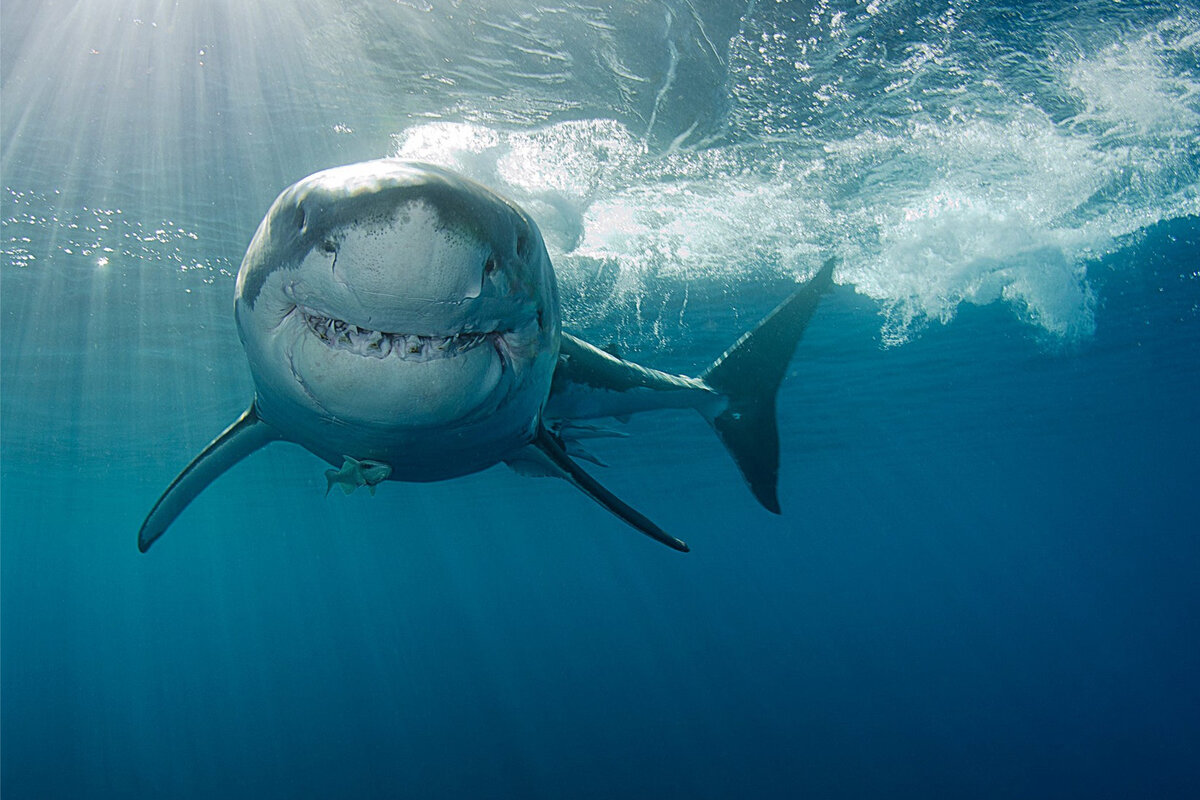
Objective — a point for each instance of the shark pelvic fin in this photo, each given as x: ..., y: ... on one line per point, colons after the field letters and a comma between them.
x: 239, y: 440
x: 557, y: 462
x: 749, y: 375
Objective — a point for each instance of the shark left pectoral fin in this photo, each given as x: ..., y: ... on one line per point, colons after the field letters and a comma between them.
x: 553, y: 460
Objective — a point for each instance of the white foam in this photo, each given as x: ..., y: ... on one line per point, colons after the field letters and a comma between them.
x: 1007, y: 206
x: 1130, y: 90
x: 981, y: 212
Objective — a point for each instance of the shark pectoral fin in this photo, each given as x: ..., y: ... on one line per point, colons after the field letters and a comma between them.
x: 239, y: 440
x: 558, y: 462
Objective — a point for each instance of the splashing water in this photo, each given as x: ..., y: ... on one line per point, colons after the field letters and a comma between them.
x: 1004, y: 203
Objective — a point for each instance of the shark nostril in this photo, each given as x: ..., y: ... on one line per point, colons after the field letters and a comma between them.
x: 300, y: 217
x: 491, y: 265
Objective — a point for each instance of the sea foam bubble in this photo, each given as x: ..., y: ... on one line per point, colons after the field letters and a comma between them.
x: 927, y: 214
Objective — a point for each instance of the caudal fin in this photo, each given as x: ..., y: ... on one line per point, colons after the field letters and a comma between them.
x: 749, y: 375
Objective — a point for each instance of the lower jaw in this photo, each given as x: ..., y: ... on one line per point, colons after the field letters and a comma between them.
x: 323, y: 383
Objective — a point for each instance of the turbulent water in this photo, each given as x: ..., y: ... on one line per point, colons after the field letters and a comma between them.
x: 983, y: 583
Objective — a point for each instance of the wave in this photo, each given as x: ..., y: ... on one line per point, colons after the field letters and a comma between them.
x: 998, y: 199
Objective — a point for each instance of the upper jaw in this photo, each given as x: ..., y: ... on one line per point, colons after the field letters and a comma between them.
x: 407, y: 316
x: 341, y: 335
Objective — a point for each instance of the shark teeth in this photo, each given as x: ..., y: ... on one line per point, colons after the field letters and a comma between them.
x: 341, y: 335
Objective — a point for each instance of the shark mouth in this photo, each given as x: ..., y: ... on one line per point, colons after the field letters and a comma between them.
x: 340, y: 335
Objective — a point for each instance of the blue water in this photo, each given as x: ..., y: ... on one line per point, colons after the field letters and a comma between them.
x: 984, y: 582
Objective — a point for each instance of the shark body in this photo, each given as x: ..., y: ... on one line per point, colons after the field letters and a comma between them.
x: 402, y: 322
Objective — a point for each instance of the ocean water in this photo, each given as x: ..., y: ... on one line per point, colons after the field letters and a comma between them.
x: 986, y: 580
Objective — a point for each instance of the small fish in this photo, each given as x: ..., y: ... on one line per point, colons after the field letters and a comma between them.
x: 355, y: 473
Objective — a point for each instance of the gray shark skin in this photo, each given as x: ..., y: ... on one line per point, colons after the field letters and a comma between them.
x: 402, y: 323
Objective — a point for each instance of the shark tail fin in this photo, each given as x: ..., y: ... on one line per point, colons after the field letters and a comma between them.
x: 239, y: 440
x: 749, y: 375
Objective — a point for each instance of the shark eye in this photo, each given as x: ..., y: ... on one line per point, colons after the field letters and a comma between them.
x: 329, y: 246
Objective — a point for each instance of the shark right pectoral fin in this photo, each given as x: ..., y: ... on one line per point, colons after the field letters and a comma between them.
x: 555, y: 461
x: 239, y: 440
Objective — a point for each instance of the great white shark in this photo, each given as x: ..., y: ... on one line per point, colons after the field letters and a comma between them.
x: 402, y: 323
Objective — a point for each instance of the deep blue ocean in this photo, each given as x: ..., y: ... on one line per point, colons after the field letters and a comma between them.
x: 986, y: 579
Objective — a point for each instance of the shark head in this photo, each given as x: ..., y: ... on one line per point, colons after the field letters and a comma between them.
x: 390, y: 309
